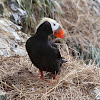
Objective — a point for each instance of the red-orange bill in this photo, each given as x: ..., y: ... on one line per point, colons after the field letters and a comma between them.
x: 59, y: 33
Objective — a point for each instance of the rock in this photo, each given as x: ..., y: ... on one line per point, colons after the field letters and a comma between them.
x: 1, y: 9
x: 12, y: 4
x: 3, y: 95
x: 12, y: 40
x: 18, y: 14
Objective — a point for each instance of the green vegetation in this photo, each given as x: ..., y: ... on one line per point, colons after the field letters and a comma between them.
x: 95, y: 55
x: 36, y: 9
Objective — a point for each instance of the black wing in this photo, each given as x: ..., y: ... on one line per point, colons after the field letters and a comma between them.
x: 53, y: 44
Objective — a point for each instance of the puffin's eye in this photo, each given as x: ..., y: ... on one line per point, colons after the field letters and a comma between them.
x: 54, y: 24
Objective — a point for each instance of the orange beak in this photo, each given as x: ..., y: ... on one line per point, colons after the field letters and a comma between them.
x: 59, y: 33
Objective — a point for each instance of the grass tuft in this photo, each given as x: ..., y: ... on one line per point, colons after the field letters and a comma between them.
x: 36, y: 9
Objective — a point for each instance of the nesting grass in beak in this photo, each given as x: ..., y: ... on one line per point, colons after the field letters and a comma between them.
x: 59, y: 33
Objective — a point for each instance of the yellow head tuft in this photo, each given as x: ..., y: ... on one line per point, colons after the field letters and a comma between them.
x: 45, y: 19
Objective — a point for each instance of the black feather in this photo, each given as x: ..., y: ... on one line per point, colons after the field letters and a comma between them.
x: 44, y: 53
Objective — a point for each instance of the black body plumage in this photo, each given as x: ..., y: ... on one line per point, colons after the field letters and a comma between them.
x: 44, y: 53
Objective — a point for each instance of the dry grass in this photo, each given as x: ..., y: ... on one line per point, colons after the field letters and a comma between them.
x: 82, y: 27
x: 81, y: 22
x: 20, y: 79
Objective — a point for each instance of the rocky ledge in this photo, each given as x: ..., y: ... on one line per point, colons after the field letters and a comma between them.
x: 12, y: 40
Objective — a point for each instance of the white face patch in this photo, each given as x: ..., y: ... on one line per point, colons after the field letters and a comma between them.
x: 54, y: 24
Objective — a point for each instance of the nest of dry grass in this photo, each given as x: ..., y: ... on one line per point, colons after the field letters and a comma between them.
x: 20, y: 79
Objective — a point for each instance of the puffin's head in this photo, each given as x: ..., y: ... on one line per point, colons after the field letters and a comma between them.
x: 56, y: 28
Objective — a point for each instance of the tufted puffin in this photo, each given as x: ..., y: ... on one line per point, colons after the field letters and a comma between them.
x: 44, y: 53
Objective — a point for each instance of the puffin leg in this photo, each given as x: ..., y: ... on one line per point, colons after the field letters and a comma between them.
x: 55, y: 77
x: 41, y: 72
